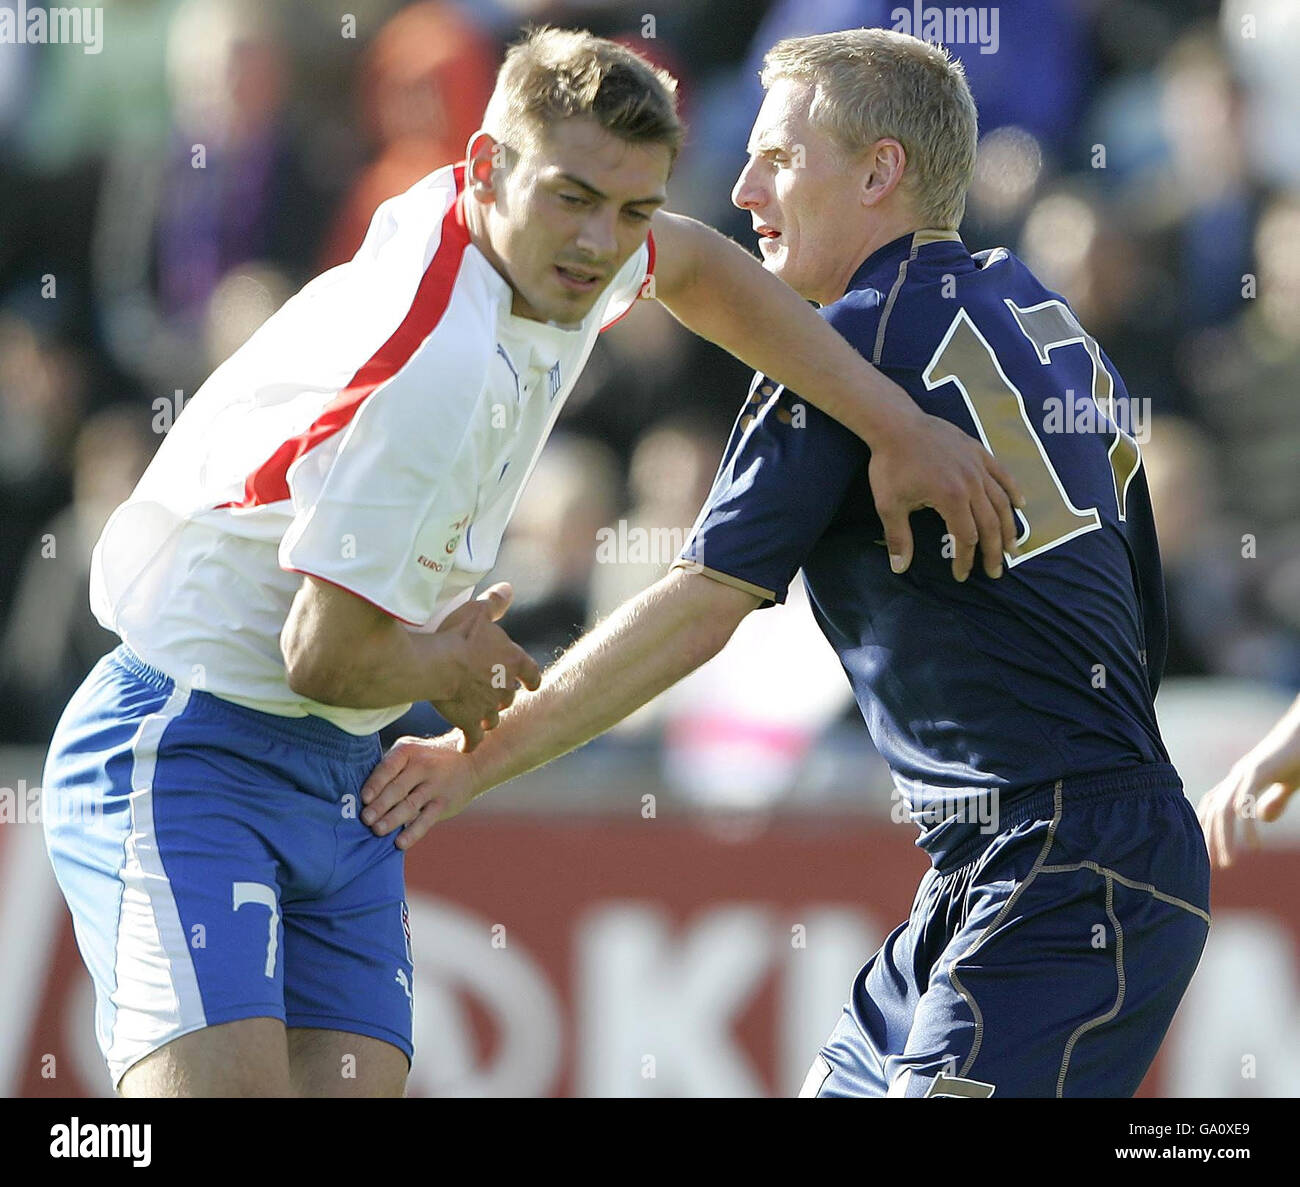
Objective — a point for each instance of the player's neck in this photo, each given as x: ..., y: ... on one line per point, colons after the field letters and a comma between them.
x: 476, y: 225
x: 880, y: 234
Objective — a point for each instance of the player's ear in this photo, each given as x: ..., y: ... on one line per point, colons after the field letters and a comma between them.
x: 885, y: 163
x: 483, y: 165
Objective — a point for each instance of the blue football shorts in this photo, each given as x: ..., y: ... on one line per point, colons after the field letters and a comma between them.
x: 216, y: 866
x: 1048, y: 965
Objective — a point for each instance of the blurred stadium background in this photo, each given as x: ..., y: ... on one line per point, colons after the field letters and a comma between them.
x: 678, y: 909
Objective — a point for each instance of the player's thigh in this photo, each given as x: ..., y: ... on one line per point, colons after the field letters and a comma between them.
x: 1064, y: 982
x: 245, y: 1058
x: 349, y: 972
x: 165, y: 868
x: 1070, y: 1001
x: 879, y: 1014
x: 338, y: 1063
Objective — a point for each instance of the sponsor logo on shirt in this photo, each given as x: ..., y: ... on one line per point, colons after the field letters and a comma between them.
x: 457, y: 528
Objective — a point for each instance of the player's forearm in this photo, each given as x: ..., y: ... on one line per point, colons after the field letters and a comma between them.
x: 373, y: 665
x: 398, y: 667
x: 644, y: 647
x: 731, y: 300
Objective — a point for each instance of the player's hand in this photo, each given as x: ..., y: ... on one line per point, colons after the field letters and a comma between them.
x: 419, y: 782
x: 1257, y: 787
x: 929, y: 462
x: 491, y: 666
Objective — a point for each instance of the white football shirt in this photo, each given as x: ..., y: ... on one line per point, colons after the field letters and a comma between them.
x: 375, y: 433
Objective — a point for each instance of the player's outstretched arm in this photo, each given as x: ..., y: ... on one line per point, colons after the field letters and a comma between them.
x: 340, y: 650
x: 648, y: 644
x: 1259, y: 785
x: 718, y: 290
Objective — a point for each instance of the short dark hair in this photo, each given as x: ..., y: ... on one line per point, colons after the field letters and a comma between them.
x: 553, y: 74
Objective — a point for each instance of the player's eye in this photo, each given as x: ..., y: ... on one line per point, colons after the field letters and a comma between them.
x: 637, y: 216
x: 575, y: 200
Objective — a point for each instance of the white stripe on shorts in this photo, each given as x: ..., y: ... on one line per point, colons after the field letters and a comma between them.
x: 155, y: 993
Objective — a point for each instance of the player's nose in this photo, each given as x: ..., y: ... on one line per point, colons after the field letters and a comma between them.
x: 598, y: 239
x: 746, y: 194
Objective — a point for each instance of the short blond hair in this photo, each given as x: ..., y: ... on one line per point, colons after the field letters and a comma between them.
x: 554, y: 74
x: 875, y: 83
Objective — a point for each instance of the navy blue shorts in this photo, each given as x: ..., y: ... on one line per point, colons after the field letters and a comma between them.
x: 216, y: 866
x: 1049, y: 965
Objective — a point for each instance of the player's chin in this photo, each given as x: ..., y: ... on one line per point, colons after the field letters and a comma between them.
x: 570, y: 308
x: 778, y: 263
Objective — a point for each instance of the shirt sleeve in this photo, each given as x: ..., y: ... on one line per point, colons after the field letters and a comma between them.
x: 629, y: 284
x: 782, y: 479
x: 381, y: 512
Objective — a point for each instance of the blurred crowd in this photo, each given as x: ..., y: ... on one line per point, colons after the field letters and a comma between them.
x: 162, y: 197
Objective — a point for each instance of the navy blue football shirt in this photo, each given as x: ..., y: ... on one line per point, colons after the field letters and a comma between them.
x: 977, y: 693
